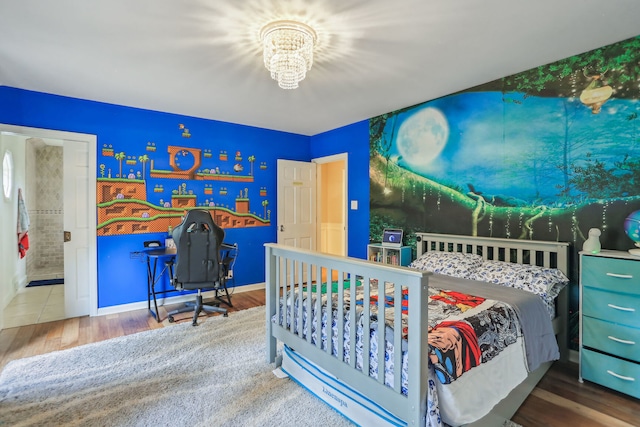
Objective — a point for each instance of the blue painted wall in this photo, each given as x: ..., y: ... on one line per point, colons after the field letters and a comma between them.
x: 353, y: 140
x: 121, y: 277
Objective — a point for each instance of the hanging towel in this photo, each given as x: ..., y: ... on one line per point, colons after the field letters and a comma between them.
x: 23, y: 226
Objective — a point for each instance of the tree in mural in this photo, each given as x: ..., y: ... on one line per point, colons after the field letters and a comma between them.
x: 582, y: 81
x: 617, y: 65
x: 119, y: 157
x: 380, y: 141
x: 595, y: 178
x: 143, y: 159
x: 265, y: 203
x: 251, y: 159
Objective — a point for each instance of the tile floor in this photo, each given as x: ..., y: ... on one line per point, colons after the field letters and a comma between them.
x: 38, y: 304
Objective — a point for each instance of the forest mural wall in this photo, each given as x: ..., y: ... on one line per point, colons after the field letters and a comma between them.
x: 546, y: 154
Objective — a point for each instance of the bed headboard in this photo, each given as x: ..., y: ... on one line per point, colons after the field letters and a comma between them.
x: 535, y: 252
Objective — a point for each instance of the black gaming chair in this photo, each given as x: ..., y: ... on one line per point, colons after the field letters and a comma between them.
x: 198, y: 263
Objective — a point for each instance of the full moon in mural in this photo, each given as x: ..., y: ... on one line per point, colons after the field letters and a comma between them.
x: 422, y: 137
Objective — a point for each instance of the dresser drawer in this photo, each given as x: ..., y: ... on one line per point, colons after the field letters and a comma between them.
x: 615, y: 339
x: 613, y: 274
x: 610, y: 306
x: 611, y: 372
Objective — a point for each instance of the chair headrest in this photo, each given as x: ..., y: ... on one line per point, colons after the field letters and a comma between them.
x: 199, y: 218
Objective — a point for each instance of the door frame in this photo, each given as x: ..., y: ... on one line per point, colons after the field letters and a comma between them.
x: 330, y: 159
x: 92, y: 142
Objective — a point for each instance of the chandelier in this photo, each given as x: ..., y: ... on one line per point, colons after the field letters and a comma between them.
x: 288, y: 51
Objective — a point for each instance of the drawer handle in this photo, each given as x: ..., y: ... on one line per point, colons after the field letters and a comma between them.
x: 621, y: 341
x: 620, y: 276
x: 621, y: 308
x: 620, y: 376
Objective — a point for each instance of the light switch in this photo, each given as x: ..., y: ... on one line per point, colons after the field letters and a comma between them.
x: 354, y: 205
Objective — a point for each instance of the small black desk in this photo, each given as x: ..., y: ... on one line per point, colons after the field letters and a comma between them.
x: 167, y: 257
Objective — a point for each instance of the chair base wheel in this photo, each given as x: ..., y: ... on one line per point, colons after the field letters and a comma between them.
x: 171, y: 319
x: 225, y: 315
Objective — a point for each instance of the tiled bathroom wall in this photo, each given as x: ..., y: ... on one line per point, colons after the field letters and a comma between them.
x: 45, y: 259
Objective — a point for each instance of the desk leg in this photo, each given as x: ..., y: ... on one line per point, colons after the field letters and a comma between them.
x: 152, y: 288
x: 149, y: 278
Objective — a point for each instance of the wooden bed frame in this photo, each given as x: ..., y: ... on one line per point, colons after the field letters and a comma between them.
x: 290, y: 270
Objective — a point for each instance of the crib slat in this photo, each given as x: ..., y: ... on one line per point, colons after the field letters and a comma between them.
x: 381, y: 330
x: 417, y: 366
x: 329, y: 327
x: 340, y: 317
x: 272, y: 302
x: 300, y: 286
x: 278, y: 282
x: 353, y: 283
x: 290, y: 293
x: 318, y: 306
x: 307, y: 305
x: 366, y: 327
x: 397, y: 337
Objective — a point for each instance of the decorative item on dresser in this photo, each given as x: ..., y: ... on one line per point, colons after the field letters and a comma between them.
x: 592, y: 244
x: 610, y: 320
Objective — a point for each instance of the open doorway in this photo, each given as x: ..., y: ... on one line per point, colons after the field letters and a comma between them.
x: 44, y: 196
x: 331, y: 174
x: 76, y: 164
x: 332, y: 204
x: 41, y: 188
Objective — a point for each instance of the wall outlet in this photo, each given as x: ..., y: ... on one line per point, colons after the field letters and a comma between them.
x: 230, y: 274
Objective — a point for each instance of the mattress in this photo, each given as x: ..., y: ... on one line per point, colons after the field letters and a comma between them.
x: 351, y: 403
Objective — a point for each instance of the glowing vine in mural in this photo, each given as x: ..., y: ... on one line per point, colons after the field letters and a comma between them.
x: 478, y: 212
x: 527, y: 230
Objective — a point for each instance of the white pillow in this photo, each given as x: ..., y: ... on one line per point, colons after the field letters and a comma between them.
x: 539, y: 280
x: 454, y: 264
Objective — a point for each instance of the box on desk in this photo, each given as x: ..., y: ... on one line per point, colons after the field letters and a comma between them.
x: 169, y: 243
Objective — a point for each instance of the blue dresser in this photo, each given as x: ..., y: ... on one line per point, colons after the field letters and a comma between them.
x: 610, y: 320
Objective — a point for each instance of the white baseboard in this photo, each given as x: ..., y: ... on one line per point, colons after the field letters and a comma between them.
x: 173, y: 300
x: 8, y: 296
x: 17, y: 282
x: 247, y: 288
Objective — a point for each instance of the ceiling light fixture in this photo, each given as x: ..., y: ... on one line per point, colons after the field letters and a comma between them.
x: 288, y: 51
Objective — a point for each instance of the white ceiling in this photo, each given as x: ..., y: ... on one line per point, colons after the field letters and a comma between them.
x: 202, y: 57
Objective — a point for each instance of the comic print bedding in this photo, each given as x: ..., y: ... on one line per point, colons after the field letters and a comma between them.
x: 476, y: 340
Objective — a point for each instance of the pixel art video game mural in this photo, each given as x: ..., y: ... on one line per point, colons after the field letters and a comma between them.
x: 150, y: 190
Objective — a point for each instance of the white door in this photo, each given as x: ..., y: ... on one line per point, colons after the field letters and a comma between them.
x: 297, y: 204
x: 76, y: 228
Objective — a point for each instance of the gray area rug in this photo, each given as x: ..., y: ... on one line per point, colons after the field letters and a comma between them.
x: 213, y: 374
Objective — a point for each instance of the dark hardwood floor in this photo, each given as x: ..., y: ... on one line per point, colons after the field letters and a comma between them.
x: 558, y: 400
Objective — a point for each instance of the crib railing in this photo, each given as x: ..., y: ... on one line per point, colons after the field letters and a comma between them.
x: 309, y: 277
